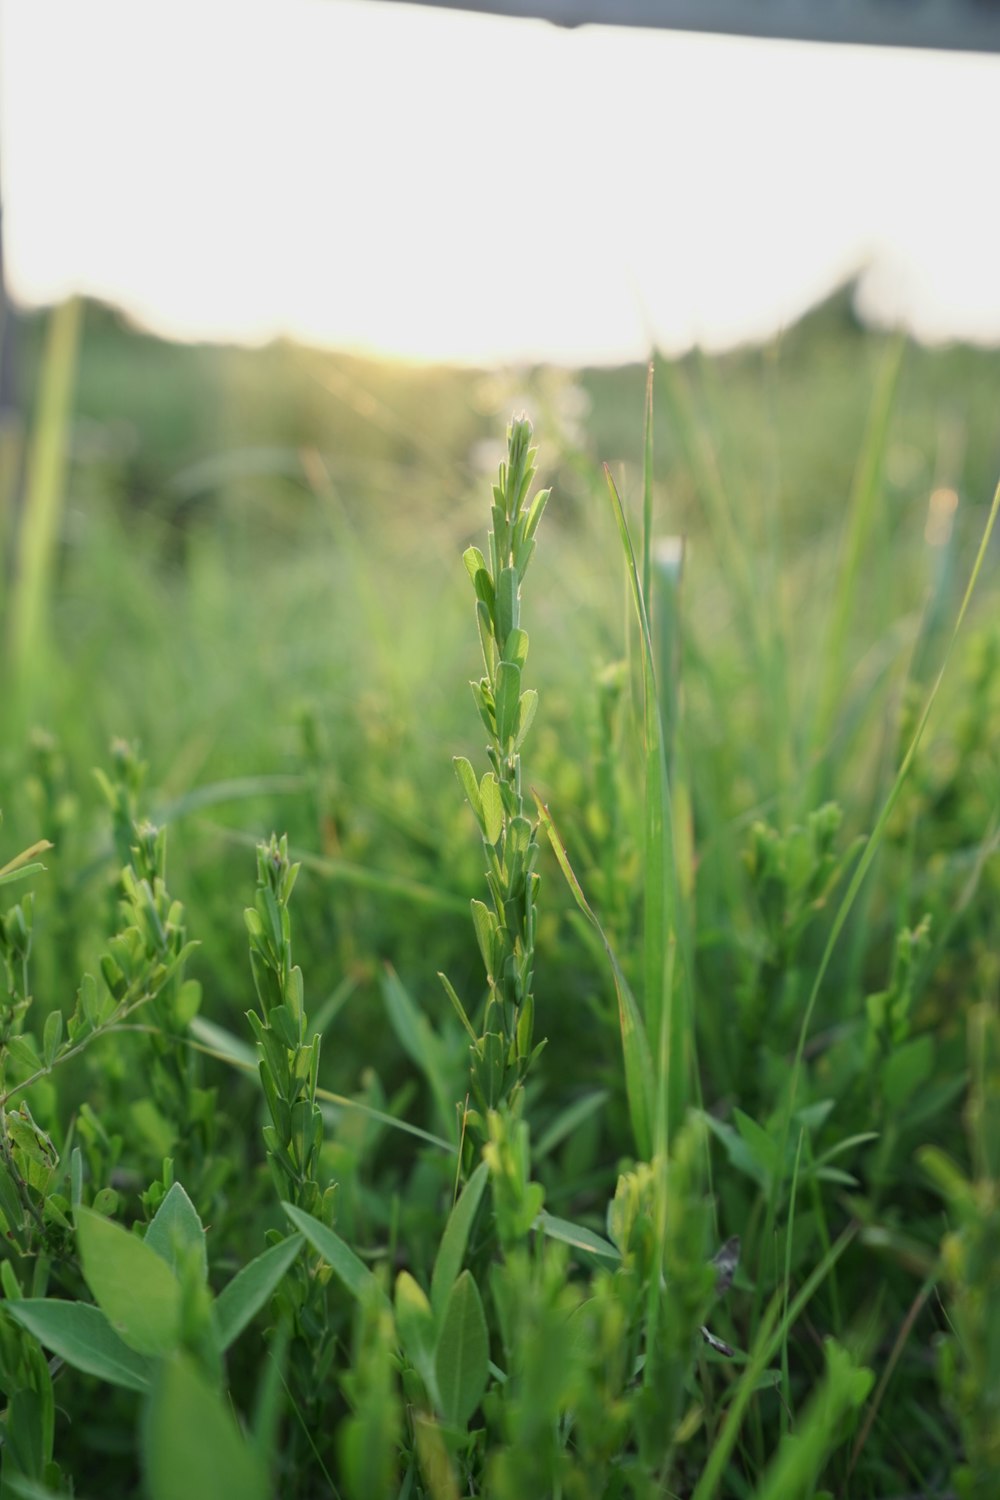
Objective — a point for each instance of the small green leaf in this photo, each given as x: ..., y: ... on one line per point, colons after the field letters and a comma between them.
x: 192, y: 1448
x: 52, y: 1036
x: 83, y: 1337
x: 176, y: 1229
x: 485, y: 924
x: 132, y: 1285
x: 526, y: 710
x: 470, y: 786
x: 762, y: 1148
x: 516, y: 648
x: 506, y: 604
x: 508, y: 696
x: 240, y: 1301
x: 8, y: 876
x: 459, y: 1008
x: 473, y: 560
x: 461, y: 1363
x: 188, y: 1002
x: 576, y: 1235
x: 451, y: 1251
x: 492, y: 806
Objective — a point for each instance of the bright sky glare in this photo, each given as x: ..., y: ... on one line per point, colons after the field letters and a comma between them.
x: 440, y: 185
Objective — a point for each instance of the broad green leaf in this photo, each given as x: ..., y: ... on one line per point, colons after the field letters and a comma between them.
x: 191, y: 1447
x: 176, y: 1230
x: 353, y: 1272
x: 576, y: 1235
x: 461, y: 1363
x: 135, y: 1288
x: 451, y: 1251
x: 250, y: 1288
x: 83, y: 1337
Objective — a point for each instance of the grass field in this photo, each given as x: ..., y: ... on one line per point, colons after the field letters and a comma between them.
x: 725, y: 841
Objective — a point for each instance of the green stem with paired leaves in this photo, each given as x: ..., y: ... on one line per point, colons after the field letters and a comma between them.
x: 505, y: 929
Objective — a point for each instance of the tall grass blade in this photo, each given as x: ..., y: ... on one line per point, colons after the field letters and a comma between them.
x: 639, y: 1082
x: 664, y: 1010
x: 861, y: 514
x: 647, y: 490
x: 40, y: 520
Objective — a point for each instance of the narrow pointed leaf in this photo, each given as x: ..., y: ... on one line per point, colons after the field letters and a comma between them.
x: 240, y: 1301
x: 342, y: 1260
x: 176, y: 1230
x: 451, y: 1251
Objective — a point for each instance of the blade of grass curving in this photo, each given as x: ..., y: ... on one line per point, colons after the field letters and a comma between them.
x: 233, y: 789
x: 569, y: 1120
x: 216, y: 1042
x: 861, y: 514
x: 639, y: 1086
x: 420, y: 1041
x: 341, y: 871
x: 664, y: 1006
x: 771, y: 1333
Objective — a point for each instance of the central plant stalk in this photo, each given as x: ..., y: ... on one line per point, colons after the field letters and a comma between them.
x: 505, y: 929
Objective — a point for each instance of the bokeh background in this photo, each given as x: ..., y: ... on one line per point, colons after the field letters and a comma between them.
x: 305, y: 260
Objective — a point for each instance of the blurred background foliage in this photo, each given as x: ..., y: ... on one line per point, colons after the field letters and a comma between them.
x: 258, y: 580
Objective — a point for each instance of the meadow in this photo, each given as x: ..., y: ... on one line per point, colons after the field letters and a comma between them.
x: 585, y: 1085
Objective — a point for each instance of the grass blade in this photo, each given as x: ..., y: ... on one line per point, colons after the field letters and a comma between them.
x: 639, y: 1084
x: 666, y: 1022
x: 40, y: 520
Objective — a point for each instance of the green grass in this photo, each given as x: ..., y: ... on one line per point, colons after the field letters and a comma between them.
x: 302, y: 1215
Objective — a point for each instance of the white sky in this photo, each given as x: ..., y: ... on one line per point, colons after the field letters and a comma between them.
x: 440, y: 185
